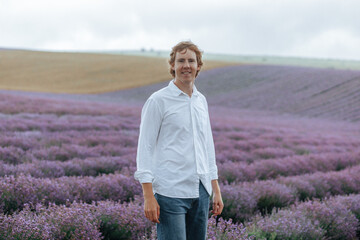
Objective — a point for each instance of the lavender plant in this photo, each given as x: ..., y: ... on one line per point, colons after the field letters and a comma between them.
x: 333, y: 218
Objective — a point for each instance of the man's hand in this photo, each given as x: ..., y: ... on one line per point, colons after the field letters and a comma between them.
x: 218, y: 204
x: 151, y: 206
x: 152, y: 209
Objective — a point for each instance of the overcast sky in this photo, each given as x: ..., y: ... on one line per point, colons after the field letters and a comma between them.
x: 305, y: 28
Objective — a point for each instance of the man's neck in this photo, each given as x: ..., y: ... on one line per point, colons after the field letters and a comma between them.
x: 186, y: 88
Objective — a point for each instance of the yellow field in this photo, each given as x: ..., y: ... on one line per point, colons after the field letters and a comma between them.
x: 81, y: 72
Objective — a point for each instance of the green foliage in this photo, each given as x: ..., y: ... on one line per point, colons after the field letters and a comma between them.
x: 113, y: 231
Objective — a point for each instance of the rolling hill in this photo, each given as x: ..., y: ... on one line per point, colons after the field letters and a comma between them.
x: 301, y: 91
x: 83, y: 73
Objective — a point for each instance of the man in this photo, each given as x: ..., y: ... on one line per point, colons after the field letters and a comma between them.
x: 176, y: 155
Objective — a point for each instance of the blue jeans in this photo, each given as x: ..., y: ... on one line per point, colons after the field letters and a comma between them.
x: 183, y: 218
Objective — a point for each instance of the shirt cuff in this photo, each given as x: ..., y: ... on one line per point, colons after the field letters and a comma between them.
x: 144, y: 176
x: 213, y: 175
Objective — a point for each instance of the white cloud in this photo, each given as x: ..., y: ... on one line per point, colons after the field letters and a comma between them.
x: 279, y: 27
x: 334, y: 43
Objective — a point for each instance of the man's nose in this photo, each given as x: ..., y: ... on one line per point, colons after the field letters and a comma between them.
x: 187, y: 64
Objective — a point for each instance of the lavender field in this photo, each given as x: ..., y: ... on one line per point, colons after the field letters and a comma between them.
x: 302, y: 91
x: 67, y: 161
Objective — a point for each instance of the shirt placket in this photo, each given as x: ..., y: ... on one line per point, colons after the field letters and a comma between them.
x: 192, y: 105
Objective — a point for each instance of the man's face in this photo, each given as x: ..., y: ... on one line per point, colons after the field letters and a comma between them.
x: 185, y: 66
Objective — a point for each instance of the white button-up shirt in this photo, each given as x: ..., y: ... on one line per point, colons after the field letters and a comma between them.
x: 176, y: 147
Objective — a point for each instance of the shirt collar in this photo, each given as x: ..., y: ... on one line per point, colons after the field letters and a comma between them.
x: 177, y: 91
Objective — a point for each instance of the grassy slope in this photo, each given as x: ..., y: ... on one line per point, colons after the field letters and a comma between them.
x: 289, y: 61
x: 81, y: 72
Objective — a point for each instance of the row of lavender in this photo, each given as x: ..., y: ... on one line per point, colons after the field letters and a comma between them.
x: 242, y: 201
x: 96, y: 221
x: 334, y: 218
x: 26, y: 137
x: 19, y: 104
x: 229, y: 171
x: 246, y: 199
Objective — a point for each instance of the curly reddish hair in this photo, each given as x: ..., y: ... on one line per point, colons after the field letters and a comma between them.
x: 181, y: 46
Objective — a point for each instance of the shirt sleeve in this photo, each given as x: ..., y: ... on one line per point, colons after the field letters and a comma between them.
x: 151, y: 119
x: 211, y: 150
